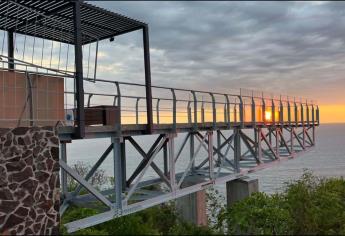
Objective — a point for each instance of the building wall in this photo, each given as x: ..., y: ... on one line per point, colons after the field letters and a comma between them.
x: 47, y: 99
x: 29, y: 181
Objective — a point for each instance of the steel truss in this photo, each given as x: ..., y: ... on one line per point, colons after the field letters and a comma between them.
x: 229, y: 157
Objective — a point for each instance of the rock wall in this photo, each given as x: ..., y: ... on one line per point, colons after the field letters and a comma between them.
x: 29, y: 181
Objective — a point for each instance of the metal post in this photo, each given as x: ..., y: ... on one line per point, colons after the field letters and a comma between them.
x: 289, y: 113
x: 157, y: 110
x: 263, y: 110
x: 189, y: 112
x: 123, y: 164
x: 313, y: 122
x: 10, y: 48
x: 273, y: 113
x: 171, y: 148
x: 227, y: 111
x: 191, y: 150
x: 259, y: 151
x: 137, y: 111
x: 174, y: 109
x: 308, y: 122
x: 80, y: 119
x: 195, y: 101
x: 253, y: 112
x: 214, y: 112
x: 318, y: 115
x: 210, y: 153
x: 219, y: 143
x: 277, y: 141
x: 165, y: 159
x: 63, y: 172
x: 148, y: 88
x: 237, y: 149
x: 292, y: 130
x: 302, y: 119
x: 117, y: 172
x: 202, y: 112
x: 241, y: 112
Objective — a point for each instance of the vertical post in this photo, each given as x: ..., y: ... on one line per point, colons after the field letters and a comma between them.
x: 237, y: 149
x: 292, y: 129
x: 313, y: 122
x: 241, y: 112
x: 289, y: 113
x: 117, y: 171
x: 202, y: 112
x: 273, y: 113
x: 253, y: 112
x: 219, y: 142
x: 191, y: 149
x: 171, y: 148
x: 165, y: 159
x: 80, y: 131
x: 157, y: 110
x: 63, y: 172
x: 259, y: 152
x: 123, y: 164
x: 277, y: 130
x: 214, y: 112
x: 195, y: 102
x: 303, y: 128
x: 137, y: 111
x: 174, y: 109
x: 148, y: 88
x: 10, y: 50
x: 210, y: 153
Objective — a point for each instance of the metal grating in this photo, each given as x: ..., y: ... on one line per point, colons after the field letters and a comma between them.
x: 53, y: 20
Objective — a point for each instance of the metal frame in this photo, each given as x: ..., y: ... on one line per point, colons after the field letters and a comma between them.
x: 241, y: 147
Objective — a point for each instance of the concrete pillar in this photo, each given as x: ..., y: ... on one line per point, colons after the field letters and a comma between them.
x: 239, y: 189
x: 192, y: 208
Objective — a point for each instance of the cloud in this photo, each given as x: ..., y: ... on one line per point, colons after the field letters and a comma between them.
x: 288, y: 47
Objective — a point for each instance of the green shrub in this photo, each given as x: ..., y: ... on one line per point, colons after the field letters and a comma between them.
x: 309, y: 205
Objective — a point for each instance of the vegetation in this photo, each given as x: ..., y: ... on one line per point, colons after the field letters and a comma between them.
x: 310, y: 205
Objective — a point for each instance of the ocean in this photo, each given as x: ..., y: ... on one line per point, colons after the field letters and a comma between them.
x: 326, y: 159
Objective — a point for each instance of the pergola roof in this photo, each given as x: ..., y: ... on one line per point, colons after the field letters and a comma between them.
x: 53, y: 20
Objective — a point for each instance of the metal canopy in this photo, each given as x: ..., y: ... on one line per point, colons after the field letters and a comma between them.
x: 53, y: 20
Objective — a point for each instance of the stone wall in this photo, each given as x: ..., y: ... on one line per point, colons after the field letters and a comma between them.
x: 29, y: 181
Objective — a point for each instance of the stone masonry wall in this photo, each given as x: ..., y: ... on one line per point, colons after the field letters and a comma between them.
x: 29, y: 181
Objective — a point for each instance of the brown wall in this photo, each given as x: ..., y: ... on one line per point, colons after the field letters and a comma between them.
x: 47, y: 97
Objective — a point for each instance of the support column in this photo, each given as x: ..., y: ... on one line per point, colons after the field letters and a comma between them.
x: 191, y: 149
x: 237, y: 149
x: 192, y: 208
x: 239, y: 189
x: 259, y: 149
x: 116, y: 141
x: 148, y: 88
x: 10, y: 50
x: 277, y: 141
x: 123, y: 165
x: 63, y: 173
x: 292, y: 148
x: 210, y: 154
x: 80, y: 120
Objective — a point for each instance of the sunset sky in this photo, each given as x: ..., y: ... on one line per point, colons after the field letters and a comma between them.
x: 294, y: 48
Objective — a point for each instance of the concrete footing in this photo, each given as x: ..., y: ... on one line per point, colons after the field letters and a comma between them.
x: 192, y: 208
x: 239, y: 189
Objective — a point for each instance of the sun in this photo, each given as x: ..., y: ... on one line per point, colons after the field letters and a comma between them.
x: 268, y: 116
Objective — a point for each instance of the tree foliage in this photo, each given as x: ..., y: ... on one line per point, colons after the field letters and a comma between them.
x: 309, y: 205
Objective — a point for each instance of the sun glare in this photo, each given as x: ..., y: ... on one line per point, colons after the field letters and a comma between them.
x: 268, y: 116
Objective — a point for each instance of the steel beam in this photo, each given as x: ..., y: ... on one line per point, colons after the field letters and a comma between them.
x: 148, y: 88
x: 79, y: 86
